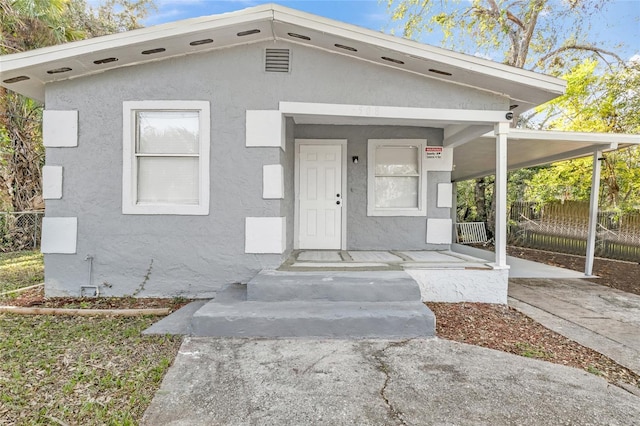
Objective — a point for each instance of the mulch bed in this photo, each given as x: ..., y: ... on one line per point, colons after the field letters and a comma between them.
x: 35, y: 298
x: 505, y: 329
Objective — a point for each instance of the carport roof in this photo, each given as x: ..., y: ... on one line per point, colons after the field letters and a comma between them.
x: 27, y: 73
x: 528, y: 148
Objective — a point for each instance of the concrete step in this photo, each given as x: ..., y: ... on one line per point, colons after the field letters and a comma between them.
x: 314, y: 319
x: 350, y: 286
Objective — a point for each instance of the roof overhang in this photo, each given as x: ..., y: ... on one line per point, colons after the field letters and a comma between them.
x: 529, y: 148
x: 27, y: 73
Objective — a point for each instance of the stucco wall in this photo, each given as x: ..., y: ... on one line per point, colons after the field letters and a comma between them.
x: 195, y: 255
x: 379, y: 232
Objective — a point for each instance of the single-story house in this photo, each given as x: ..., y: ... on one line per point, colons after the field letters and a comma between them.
x: 186, y: 156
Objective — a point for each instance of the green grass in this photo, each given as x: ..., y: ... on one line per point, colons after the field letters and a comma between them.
x: 74, y: 370
x: 20, y: 269
x: 79, y: 370
x: 530, y: 351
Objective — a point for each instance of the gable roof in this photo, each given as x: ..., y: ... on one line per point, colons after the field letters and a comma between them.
x: 28, y: 72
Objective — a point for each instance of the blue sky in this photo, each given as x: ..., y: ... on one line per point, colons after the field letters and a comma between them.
x: 620, y: 22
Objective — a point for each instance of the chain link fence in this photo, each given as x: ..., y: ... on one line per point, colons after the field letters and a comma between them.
x: 20, y: 230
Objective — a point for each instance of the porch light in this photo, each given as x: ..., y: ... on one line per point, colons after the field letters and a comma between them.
x: 354, y: 159
x: 16, y: 79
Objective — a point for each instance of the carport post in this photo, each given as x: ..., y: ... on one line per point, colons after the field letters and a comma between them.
x: 501, y: 131
x: 593, y: 213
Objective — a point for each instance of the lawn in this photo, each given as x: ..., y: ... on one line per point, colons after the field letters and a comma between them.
x: 75, y: 370
x: 20, y: 269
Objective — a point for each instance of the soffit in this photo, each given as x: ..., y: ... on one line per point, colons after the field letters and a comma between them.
x: 272, y: 22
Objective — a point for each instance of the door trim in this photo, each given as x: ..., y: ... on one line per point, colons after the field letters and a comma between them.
x: 296, y: 201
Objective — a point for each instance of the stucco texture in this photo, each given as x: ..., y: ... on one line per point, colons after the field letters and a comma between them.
x: 193, y: 256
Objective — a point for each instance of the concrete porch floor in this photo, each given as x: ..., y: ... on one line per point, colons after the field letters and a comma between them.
x: 379, y: 260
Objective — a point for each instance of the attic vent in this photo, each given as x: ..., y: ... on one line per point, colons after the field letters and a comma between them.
x: 16, y: 79
x: 439, y: 72
x: 277, y: 60
x: 152, y: 51
x: 105, y: 61
x: 59, y: 70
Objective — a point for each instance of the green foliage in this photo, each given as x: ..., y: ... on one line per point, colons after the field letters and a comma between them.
x: 595, y: 102
x: 31, y: 24
x: 527, y: 33
x: 554, y: 37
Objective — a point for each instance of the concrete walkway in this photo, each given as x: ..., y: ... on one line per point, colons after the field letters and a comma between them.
x: 604, y: 319
x: 520, y: 268
x: 226, y: 381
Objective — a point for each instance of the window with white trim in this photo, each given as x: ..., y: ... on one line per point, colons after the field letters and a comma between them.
x: 166, y: 157
x: 396, y: 184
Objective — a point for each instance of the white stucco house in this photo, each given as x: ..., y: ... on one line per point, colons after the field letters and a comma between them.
x: 190, y: 155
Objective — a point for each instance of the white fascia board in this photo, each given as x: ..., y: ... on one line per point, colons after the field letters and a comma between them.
x: 142, y: 35
x: 581, y: 137
x: 376, y: 111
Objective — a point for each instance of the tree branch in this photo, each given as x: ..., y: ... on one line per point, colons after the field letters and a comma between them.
x: 585, y: 47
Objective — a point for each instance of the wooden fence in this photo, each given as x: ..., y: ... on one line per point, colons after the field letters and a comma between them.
x: 563, y: 228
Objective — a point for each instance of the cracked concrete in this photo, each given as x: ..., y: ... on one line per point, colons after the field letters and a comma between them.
x: 384, y: 368
x: 376, y: 382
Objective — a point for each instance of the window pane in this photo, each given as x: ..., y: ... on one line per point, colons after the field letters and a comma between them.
x: 396, y: 160
x: 167, y: 132
x: 168, y: 180
x: 397, y: 192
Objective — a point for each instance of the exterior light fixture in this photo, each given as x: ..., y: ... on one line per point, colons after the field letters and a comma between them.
x: 354, y: 159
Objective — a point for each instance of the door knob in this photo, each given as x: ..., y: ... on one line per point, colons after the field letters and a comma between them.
x: 338, y: 195
x: 338, y: 202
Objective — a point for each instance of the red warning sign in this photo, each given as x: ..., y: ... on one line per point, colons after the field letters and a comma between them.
x: 433, y: 151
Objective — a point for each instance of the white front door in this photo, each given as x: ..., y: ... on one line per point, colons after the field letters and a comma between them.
x: 320, y: 196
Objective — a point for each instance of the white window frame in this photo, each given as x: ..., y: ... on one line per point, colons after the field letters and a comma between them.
x: 372, y: 210
x: 130, y: 164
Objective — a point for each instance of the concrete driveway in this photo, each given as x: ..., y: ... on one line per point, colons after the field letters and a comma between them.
x: 225, y: 381
x: 602, y: 318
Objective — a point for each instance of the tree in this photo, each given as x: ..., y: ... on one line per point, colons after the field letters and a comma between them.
x: 30, y: 24
x: 600, y: 102
x: 529, y: 33
x: 533, y: 34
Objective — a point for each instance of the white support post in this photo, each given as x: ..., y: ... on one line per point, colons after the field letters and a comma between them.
x: 593, y: 213
x: 454, y: 210
x: 501, y: 131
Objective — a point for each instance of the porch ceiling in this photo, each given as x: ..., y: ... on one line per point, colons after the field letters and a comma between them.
x: 528, y: 148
